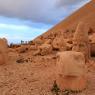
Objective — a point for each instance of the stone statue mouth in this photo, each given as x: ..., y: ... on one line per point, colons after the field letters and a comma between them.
x: 69, y: 76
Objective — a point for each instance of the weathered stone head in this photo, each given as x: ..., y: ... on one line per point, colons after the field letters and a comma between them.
x: 3, y: 51
x: 81, y: 40
x: 44, y: 49
x: 71, y: 71
x: 59, y: 43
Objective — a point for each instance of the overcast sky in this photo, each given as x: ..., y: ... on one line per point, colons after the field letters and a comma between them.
x: 26, y: 19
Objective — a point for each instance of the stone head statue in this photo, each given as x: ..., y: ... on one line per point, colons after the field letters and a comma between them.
x: 71, y: 70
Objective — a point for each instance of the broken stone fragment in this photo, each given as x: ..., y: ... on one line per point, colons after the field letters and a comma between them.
x: 44, y: 50
x: 71, y: 71
x: 37, y: 52
x: 49, y: 41
x: 38, y: 41
x: 59, y: 43
x: 33, y: 47
x: 22, y: 49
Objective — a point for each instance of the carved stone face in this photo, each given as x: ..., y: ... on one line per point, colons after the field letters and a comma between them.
x: 59, y: 43
x: 71, y: 70
x: 82, y: 47
x: 45, y: 49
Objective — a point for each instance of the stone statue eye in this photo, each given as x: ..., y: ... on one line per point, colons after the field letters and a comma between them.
x: 75, y: 44
x: 81, y: 45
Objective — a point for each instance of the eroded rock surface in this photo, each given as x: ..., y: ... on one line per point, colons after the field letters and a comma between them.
x: 44, y: 49
x: 59, y: 43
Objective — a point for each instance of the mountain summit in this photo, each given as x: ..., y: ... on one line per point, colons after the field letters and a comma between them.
x: 85, y: 14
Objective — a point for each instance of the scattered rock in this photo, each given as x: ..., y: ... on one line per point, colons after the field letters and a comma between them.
x: 49, y: 41
x: 59, y: 43
x: 38, y: 41
x: 37, y: 52
x: 33, y: 47
x: 92, y: 38
x: 45, y: 49
x: 22, y: 49
x: 20, y: 59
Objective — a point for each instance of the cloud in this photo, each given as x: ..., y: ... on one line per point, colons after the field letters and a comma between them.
x: 44, y: 11
x: 11, y: 26
x: 70, y: 2
x: 16, y: 33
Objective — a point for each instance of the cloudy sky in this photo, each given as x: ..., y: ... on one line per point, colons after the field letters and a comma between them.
x: 26, y: 19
